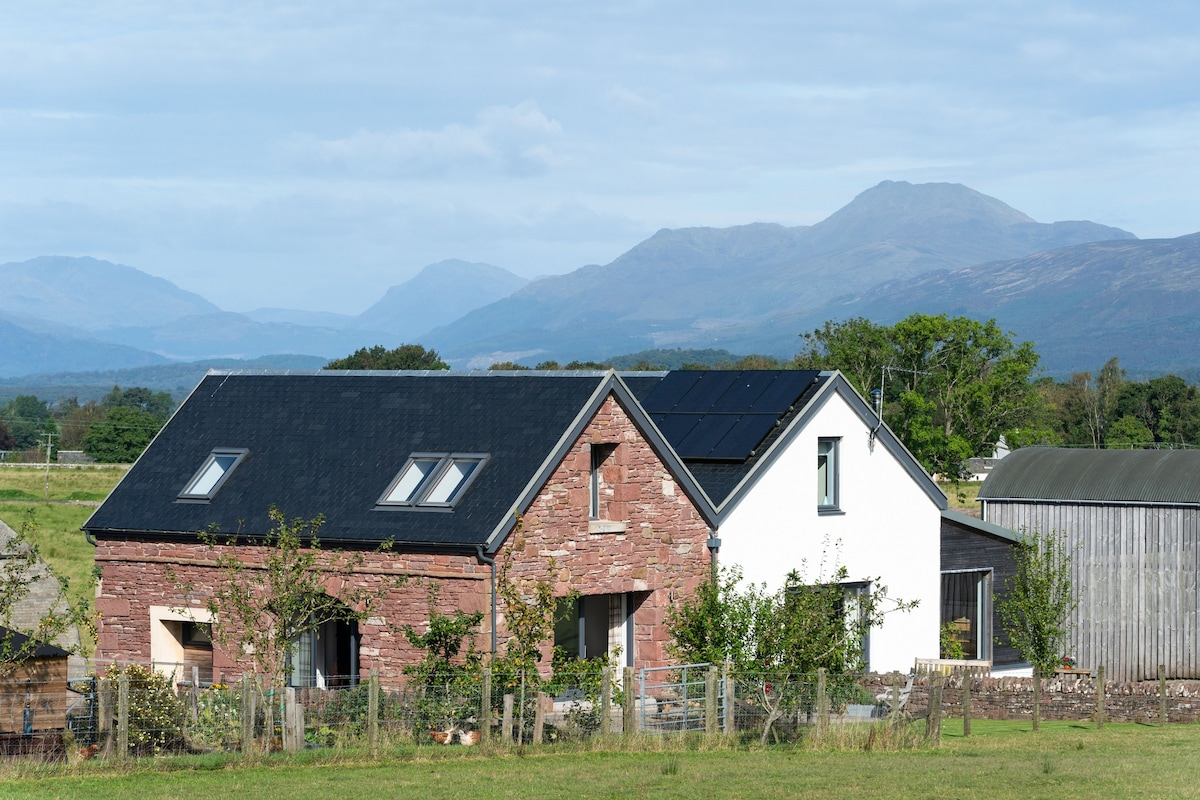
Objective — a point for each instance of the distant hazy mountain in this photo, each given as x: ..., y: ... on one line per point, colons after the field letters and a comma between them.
x: 1080, y: 305
x: 228, y: 335
x: 178, y: 379
x: 23, y: 352
x: 293, y: 316
x: 438, y: 295
x: 752, y: 284
x: 91, y: 294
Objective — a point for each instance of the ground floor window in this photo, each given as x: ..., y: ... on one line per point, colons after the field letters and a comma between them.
x: 181, y: 643
x: 597, y: 626
x: 326, y: 657
x: 967, y: 612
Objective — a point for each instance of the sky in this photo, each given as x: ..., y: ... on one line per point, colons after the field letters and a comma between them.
x: 311, y: 155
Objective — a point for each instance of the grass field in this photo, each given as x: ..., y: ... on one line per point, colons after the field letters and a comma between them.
x: 1001, y: 760
x: 73, y: 495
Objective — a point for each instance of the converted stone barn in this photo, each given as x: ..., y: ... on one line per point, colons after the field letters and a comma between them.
x: 439, y: 464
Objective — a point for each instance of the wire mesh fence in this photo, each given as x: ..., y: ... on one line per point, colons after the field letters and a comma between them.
x: 135, y: 710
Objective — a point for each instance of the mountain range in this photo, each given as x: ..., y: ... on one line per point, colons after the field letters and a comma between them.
x: 1081, y: 291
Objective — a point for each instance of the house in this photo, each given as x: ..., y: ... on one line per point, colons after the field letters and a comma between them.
x: 1131, y: 519
x: 635, y: 484
x: 802, y: 475
x: 438, y: 464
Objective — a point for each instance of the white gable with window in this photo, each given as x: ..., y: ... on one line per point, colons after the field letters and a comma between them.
x: 829, y: 493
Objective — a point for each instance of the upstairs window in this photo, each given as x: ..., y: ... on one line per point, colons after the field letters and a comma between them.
x: 827, y: 475
x: 432, y: 480
x: 598, y: 489
x: 212, y: 474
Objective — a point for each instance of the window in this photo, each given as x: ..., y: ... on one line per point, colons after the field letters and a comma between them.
x: 596, y: 626
x: 325, y: 657
x: 967, y: 611
x: 827, y: 475
x: 212, y: 474
x: 598, y: 490
x: 432, y: 480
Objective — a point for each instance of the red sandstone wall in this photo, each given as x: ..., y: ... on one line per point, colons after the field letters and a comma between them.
x: 661, y: 553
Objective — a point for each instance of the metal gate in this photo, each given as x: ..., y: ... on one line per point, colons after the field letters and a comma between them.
x: 676, y: 698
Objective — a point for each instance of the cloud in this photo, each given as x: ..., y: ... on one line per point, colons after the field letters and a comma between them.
x: 510, y: 140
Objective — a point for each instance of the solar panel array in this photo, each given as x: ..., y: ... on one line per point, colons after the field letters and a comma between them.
x: 723, y: 415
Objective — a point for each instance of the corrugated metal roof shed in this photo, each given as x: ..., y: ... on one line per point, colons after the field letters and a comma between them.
x: 1113, y: 476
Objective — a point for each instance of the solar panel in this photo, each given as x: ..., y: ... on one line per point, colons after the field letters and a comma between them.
x: 723, y: 414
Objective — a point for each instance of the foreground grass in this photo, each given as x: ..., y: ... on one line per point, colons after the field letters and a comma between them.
x: 74, y: 494
x: 1000, y: 760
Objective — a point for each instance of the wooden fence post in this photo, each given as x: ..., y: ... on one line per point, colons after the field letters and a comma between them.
x: 539, y: 717
x: 606, y: 700
x: 485, y: 706
x: 506, y: 724
x: 123, y: 715
x: 966, y: 701
x: 711, y: 722
x: 628, y: 717
x: 1100, y: 696
x: 247, y: 713
x: 373, y: 712
x: 1162, y: 694
x: 104, y: 714
x: 895, y: 710
x: 730, y: 700
x: 822, y: 704
x: 933, y: 722
x: 1037, y: 698
x: 293, y: 721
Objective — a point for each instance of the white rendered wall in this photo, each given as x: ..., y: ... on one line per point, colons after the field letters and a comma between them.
x: 889, y: 529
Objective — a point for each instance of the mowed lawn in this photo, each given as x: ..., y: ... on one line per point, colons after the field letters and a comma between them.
x: 1064, y: 761
x: 73, y: 494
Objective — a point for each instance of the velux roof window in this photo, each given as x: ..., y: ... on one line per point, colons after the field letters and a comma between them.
x: 212, y: 474
x: 432, y: 480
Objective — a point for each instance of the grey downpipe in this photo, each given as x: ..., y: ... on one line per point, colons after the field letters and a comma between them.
x: 491, y: 562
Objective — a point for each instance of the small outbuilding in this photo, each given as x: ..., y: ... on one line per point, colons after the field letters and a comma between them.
x: 1131, y: 519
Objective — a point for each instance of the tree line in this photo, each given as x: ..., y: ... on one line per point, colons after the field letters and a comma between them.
x: 113, y: 430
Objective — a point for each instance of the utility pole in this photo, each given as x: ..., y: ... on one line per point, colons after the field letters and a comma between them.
x: 49, y: 447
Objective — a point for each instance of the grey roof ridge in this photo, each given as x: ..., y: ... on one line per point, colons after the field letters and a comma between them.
x: 450, y: 373
x: 834, y: 383
x: 612, y: 384
x: 981, y: 525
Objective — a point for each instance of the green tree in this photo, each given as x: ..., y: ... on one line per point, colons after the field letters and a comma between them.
x: 7, y: 442
x: 1128, y: 432
x: 122, y: 435
x: 953, y: 386
x: 857, y: 347
x: 406, y: 356
x: 1038, y: 602
x: 26, y: 418
x: 722, y: 621
x: 158, y: 404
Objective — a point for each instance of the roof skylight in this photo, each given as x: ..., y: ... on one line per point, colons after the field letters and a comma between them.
x: 212, y: 474
x: 432, y: 480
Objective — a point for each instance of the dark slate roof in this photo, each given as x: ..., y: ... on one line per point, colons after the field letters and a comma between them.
x: 17, y: 640
x: 331, y: 443
x: 1167, y: 477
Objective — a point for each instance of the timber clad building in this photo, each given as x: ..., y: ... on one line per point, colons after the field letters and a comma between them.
x: 1131, y: 519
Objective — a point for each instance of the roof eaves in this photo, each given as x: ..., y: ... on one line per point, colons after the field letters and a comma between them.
x: 982, y: 526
